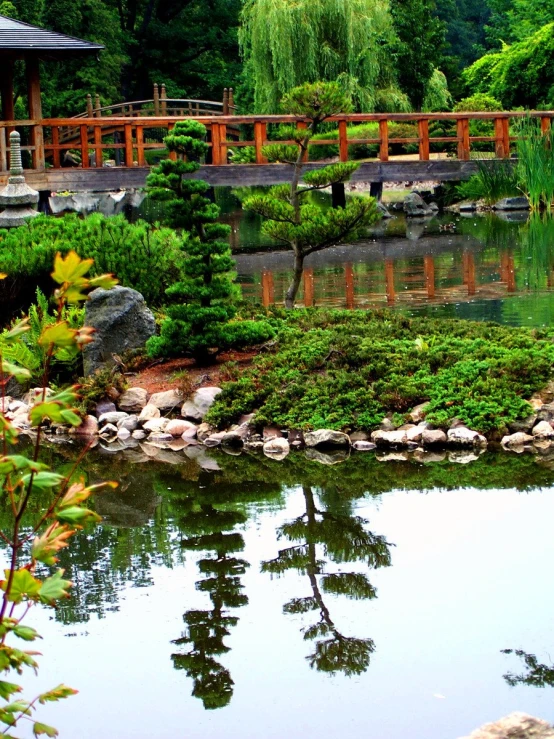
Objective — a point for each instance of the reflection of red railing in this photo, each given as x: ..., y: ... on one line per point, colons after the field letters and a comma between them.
x: 132, y: 136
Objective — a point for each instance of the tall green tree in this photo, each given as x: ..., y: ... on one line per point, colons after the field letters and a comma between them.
x: 321, y: 537
x: 200, y: 320
x: 418, y: 49
x: 287, y: 43
x: 289, y: 218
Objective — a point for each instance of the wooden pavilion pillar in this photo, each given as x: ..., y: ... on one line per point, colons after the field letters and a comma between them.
x: 32, y: 68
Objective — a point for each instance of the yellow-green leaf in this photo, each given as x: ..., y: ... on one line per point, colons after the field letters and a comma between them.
x: 40, y: 728
x: 70, y: 268
x: 54, y: 588
x: 58, y: 334
x: 24, y: 586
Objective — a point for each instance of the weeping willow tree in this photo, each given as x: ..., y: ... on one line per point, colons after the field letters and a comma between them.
x: 286, y: 43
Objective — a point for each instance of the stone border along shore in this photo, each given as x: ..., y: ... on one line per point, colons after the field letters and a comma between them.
x: 166, y: 421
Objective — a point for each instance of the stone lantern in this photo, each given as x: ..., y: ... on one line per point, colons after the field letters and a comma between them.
x: 17, y: 198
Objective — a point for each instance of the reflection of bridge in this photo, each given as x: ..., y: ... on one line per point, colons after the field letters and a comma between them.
x: 380, y: 279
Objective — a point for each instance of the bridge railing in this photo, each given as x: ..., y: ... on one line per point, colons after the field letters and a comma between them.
x: 127, y: 140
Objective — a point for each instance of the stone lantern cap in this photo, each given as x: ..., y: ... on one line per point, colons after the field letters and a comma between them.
x: 17, y: 197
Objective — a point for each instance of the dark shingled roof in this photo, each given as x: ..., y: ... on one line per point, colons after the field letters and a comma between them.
x: 20, y: 37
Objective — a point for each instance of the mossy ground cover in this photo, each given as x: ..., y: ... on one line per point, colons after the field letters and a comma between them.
x: 348, y: 369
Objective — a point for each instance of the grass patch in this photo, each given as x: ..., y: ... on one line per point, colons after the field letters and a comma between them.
x: 348, y: 369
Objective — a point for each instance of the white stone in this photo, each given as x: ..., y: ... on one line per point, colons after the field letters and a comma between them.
x: 134, y: 399
x: 200, y: 403
x: 166, y: 400
x: 278, y: 445
x: 148, y: 413
x: 414, y: 434
x: 363, y: 446
x: 203, y: 431
x: 139, y: 434
x: 462, y: 436
x: 130, y: 423
x: 418, y: 412
x: 123, y: 433
x: 156, y: 425
x: 543, y: 430
x: 109, y: 431
x: 113, y: 417
x: 215, y: 439
x: 177, y: 427
x: 517, y: 439
x: 389, y: 438
x: 430, y: 437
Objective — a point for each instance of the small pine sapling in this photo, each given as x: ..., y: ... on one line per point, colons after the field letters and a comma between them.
x: 202, y: 319
x: 289, y: 219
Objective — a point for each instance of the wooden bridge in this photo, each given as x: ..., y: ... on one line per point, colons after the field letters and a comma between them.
x: 111, y: 147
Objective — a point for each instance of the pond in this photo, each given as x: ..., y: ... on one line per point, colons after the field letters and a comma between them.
x: 243, y: 597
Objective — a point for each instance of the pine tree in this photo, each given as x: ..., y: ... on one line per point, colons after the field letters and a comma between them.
x: 200, y: 322
x: 291, y: 220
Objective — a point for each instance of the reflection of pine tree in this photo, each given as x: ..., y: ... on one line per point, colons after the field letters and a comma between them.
x: 209, y: 529
x: 537, y: 675
x: 341, y: 538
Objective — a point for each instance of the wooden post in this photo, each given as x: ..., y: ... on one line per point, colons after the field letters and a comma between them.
x: 343, y: 142
x: 225, y: 101
x: 338, y: 195
x: 163, y: 98
x: 498, y: 139
x: 89, y: 106
x: 389, y: 281
x: 349, y: 284
x: 128, y: 145
x: 260, y: 135
x: 462, y: 130
x: 546, y: 123
x: 55, y: 144
x: 3, y: 151
x: 84, y: 147
x: 156, y: 98
x: 223, y: 143
x: 423, y: 132
x: 384, y: 136
x: 468, y: 262
x: 511, y: 273
x: 98, y: 152
x: 506, y: 136
x: 173, y: 154
x: 268, y: 289
x: 231, y: 102
x: 216, y: 144
x: 35, y: 110
x: 429, y: 271
x: 308, y: 287
x: 97, y: 106
x: 6, y: 89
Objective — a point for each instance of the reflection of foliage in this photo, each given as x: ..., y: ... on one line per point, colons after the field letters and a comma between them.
x: 537, y: 675
x: 341, y: 538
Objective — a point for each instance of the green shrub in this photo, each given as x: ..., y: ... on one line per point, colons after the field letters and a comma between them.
x: 495, y: 180
x: 348, y: 369
x: 141, y: 256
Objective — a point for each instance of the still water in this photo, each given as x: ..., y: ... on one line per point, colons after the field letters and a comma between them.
x: 242, y: 597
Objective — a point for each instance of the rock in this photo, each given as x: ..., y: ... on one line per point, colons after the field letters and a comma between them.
x: 236, y: 437
x: 130, y: 423
x: 416, y: 207
x: 382, y: 210
x: 525, y: 425
x: 201, y: 402
x: 326, y: 437
x: 461, y: 457
x: 177, y: 427
x: 418, y: 412
x: 109, y: 431
x: 462, y: 436
x: 35, y: 395
x: 434, y: 207
x: 276, y: 448
x: 167, y: 400
x: 389, y: 438
x: 546, y: 412
x: 156, y: 425
x: 515, y: 726
x: 253, y: 446
x: 517, y: 439
x: 536, y: 402
x: 358, y: 436
x: 203, y: 460
x: 203, y: 431
x: 123, y: 433
x: 328, y: 458
x: 271, y: 432
x: 113, y: 417
x: 104, y: 406
x: 393, y: 457
x: 177, y: 445
x: 386, y: 425
x: 148, y: 413
x: 296, y: 439
x: 543, y: 430
x: 190, y: 433
x: 17, y: 405
x: 363, y: 446
x: 214, y: 439
x: 133, y: 400
x: 469, y: 206
x: 518, y: 203
x: 414, y: 434
x: 89, y: 427
x: 122, y: 321
x: 157, y: 437
x: 433, y: 437
x: 247, y: 419
x: 139, y: 434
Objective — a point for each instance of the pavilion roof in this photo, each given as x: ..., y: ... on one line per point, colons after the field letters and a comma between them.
x: 21, y: 38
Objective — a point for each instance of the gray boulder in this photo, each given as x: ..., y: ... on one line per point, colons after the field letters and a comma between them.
x: 133, y: 400
x: 519, y: 203
x: 200, y: 403
x: 515, y: 726
x: 166, y: 400
x: 122, y: 321
x: 416, y: 207
x: 326, y: 437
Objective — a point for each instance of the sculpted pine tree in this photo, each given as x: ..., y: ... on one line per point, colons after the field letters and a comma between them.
x: 340, y: 538
x: 289, y: 217
x: 200, y: 320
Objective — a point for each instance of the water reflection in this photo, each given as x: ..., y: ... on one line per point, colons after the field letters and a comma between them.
x: 339, y: 538
x: 536, y: 675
